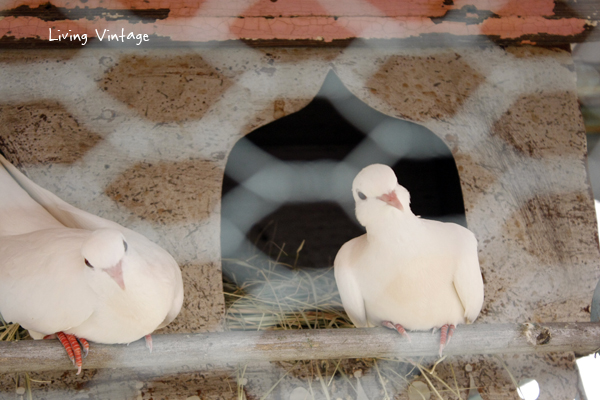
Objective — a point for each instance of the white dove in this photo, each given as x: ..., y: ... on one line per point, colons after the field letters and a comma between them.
x: 406, y: 272
x: 67, y: 272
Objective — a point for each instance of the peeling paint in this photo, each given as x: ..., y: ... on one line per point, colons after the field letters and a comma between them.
x: 49, y: 12
x: 312, y: 20
x: 311, y: 28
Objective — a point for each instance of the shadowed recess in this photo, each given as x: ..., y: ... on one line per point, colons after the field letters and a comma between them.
x: 322, y: 151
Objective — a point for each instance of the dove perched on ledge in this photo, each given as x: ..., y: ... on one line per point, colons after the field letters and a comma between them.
x: 67, y: 272
x: 406, y: 272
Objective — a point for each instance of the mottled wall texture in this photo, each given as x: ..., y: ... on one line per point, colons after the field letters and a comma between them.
x: 142, y: 137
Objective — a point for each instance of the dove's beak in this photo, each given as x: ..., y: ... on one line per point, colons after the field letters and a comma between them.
x: 116, y: 273
x: 392, y: 199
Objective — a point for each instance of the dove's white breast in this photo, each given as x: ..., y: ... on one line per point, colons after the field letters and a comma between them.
x: 43, y: 287
x: 407, y: 276
x: 46, y: 286
x: 30, y: 292
x: 128, y: 315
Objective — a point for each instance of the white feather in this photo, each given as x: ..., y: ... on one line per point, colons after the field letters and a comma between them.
x: 418, y: 273
x: 46, y: 286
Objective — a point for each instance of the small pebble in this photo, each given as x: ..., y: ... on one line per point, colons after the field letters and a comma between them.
x: 299, y: 393
x: 20, y: 391
x: 418, y: 391
x: 468, y: 368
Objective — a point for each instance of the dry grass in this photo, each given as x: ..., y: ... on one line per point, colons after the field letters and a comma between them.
x: 11, y: 332
x: 277, y: 295
x: 282, y: 297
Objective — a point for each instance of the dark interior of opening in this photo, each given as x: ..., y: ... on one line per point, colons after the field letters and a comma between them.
x: 332, y: 127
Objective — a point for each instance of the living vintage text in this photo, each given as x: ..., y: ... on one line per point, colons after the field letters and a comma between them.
x: 104, y: 36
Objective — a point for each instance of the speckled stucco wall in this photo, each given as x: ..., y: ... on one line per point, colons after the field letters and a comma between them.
x: 142, y: 138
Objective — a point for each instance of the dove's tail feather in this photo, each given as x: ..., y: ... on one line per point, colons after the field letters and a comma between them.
x: 62, y: 211
x: 66, y: 214
x: 59, y: 212
x: 19, y: 212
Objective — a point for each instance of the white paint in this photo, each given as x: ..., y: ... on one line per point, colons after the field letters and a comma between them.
x: 589, y: 370
x: 529, y: 389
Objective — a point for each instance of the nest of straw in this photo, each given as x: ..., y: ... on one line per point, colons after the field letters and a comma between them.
x: 11, y: 332
x: 262, y: 293
x: 276, y: 295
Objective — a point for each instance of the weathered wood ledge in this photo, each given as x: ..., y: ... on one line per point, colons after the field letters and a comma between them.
x: 185, y: 352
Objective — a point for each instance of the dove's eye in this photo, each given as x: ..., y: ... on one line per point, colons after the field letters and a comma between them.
x: 88, y: 263
x: 125, y: 245
x: 361, y: 196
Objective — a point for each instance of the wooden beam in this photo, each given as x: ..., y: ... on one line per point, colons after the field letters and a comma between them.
x: 185, y: 352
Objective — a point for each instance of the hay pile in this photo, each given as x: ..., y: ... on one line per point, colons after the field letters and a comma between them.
x: 11, y: 332
x: 275, y: 295
x: 262, y: 293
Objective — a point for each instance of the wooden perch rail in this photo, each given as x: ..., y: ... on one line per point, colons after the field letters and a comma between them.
x: 195, y: 351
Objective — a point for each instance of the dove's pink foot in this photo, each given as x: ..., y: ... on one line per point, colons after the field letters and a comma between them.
x: 396, y: 327
x: 447, y: 332
x: 73, y: 346
x: 149, y: 342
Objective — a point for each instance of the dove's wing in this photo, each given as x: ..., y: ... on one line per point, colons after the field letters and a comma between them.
x: 73, y: 217
x: 164, y: 268
x: 176, y: 307
x: 467, y: 278
x: 41, y: 284
x: 347, y: 283
x: 62, y: 211
x: 19, y: 213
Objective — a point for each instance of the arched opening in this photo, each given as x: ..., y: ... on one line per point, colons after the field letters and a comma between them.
x: 289, y: 182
